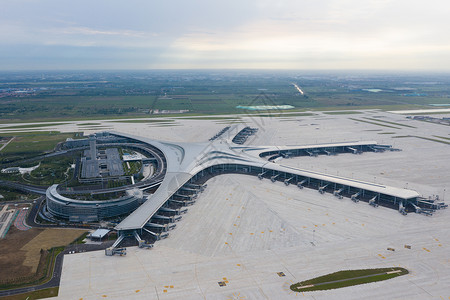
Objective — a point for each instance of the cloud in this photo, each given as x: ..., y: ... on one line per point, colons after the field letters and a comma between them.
x: 200, y: 33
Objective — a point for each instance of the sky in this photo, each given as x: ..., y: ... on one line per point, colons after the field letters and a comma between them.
x: 225, y: 34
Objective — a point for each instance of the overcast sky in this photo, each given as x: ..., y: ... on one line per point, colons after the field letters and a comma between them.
x: 257, y: 34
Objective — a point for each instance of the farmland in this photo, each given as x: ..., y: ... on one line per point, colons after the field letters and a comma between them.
x: 94, y: 95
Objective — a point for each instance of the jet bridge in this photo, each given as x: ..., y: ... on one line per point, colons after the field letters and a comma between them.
x: 115, y: 251
x: 401, y: 208
x: 197, y: 187
x: 373, y: 202
x: 261, y: 175
x: 328, y: 152
x: 157, y: 236
x: 274, y: 177
x: 354, y: 197
x: 337, y: 193
x: 322, y: 188
x: 172, y: 211
x: 301, y: 183
x: 353, y: 150
x: 144, y: 244
x: 287, y: 181
x: 182, y: 202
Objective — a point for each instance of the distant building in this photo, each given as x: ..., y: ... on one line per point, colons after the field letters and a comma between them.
x: 11, y: 170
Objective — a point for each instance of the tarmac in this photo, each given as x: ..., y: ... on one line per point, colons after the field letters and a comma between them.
x: 242, y: 231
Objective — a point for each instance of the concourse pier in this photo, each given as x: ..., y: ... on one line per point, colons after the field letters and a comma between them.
x: 190, y: 165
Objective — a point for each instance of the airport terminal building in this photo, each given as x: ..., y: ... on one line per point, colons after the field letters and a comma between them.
x: 91, y: 211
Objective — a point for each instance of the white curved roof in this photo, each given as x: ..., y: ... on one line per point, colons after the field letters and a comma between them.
x: 184, y: 160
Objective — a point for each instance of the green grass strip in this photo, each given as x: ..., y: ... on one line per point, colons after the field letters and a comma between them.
x: 351, y: 112
x: 33, y: 126
x: 393, y: 123
x: 424, y: 138
x: 442, y: 137
x: 39, y: 294
x: 430, y: 139
x: 347, y: 278
x: 144, y: 121
x: 373, y: 123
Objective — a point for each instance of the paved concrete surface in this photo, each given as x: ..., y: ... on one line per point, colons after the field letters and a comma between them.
x: 6, y: 216
x: 242, y: 231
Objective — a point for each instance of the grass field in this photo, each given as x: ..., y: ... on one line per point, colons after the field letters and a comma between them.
x: 347, y: 278
x: 374, y: 123
x: 30, y: 126
x: 350, y: 112
x: 124, y: 95
x: 30, y: 144
x: 50, y: 171
x: 388, y: 122
x: 21, y: 250
x: 146, y: 120
x: 41, y: 294
x: 11, y: 195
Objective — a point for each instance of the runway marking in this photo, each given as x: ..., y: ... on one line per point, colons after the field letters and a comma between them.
x: 381, y: 256
x: 230, y: 233
x: 436, y: 240
x: 251, y: 233
x: 164, y: 291
x: 104, y: 296
x: 426, y: 249
x: 440, y: 245
x: 238, y: 265
x: 137, y: 291
x: 262, y: 231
